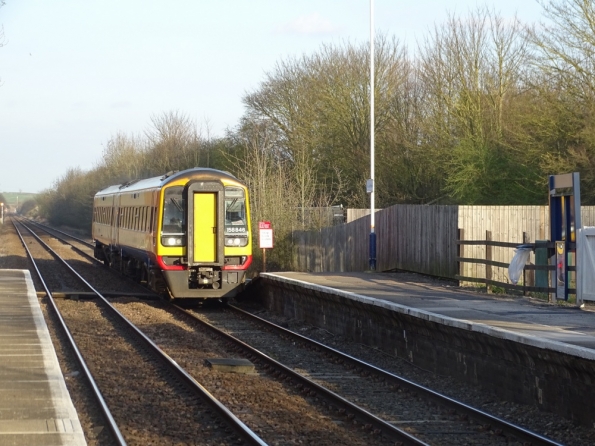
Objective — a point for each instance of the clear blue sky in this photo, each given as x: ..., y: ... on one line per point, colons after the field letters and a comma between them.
x: 73, y: 73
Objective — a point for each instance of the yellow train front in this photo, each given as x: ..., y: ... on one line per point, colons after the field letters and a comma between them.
x: 185, y: 234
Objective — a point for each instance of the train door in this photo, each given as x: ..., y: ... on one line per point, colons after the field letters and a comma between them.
x: 205, y: 227
x: 205, y: 223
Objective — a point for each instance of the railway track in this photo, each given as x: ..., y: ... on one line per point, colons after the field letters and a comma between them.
x: 407, y: 413
x: 146, y: 397
x: 427, y: 415
x: 278, y: 414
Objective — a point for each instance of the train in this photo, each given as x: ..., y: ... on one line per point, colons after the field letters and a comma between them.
x: 185, y: 234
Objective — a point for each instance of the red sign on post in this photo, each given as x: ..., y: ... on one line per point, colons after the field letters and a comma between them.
x: 265, y: 233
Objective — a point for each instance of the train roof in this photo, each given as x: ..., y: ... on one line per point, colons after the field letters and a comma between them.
x: 160, y: 181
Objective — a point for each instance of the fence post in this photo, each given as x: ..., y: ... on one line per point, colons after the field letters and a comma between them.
x: 460, y: 253
x: 488, y: 259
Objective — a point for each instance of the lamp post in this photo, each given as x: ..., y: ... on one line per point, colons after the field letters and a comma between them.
x: 370, y: 186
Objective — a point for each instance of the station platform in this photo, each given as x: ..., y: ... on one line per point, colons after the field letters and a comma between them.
x: 35, y: 406
x: 525, y: 350
x: 520, y: 319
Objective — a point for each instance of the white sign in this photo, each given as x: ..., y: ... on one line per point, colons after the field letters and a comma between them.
x: 266, y: 238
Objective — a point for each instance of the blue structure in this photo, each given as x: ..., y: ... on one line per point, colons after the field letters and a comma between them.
x: 565, y: 219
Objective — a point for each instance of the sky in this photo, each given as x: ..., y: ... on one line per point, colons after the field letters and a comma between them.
x: 74, y: 73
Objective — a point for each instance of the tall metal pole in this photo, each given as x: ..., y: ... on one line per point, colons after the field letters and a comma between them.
x: 373, y: 186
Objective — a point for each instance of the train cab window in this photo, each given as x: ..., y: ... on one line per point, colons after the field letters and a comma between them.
x: 235, y: 211
x: 173, y: 211
x: 236, y: 223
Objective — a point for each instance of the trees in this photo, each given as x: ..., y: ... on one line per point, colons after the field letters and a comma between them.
x: 70, y: 203
x: 319, y: 104
x: 255, y: 156
x: 565, y: 60
x: 173, y: 143
x: 472, y: 71
x: 482, y: 114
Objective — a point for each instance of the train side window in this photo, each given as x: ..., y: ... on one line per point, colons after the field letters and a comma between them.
x: 144, y: 214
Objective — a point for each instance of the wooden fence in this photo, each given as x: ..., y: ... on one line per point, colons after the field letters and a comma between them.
x: 423, y: 239
x: 535, y: 278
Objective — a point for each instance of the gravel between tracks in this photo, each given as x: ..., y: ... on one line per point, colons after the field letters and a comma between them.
x: 12, y: 255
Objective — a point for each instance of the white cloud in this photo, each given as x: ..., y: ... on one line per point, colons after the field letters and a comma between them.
x: 309, y: 24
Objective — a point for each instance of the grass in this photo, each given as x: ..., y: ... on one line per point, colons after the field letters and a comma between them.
x: 14, y: 198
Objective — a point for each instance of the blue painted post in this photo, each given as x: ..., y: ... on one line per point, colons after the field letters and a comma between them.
x: 372, y: 251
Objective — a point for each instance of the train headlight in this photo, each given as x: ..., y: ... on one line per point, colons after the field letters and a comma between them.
x: 172, y: 241
x: 236, y: 241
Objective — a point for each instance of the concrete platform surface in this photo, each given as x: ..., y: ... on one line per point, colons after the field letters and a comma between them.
x: 566, y: 329
x: 35, y: 406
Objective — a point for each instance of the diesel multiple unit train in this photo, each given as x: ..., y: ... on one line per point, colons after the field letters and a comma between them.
x: 184, y: 234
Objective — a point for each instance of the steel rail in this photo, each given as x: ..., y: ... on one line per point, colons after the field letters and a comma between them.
x: 223, y: 411
x: 478, y: 415
x: 113, y: 427
x: 350, y: 410
x: 47, y: 228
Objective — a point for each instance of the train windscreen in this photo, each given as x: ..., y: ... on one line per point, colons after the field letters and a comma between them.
x: 235, y: 212
x: 173, y: 211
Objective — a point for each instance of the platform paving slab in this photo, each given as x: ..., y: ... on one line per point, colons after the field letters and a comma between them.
x: 35, y: 406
